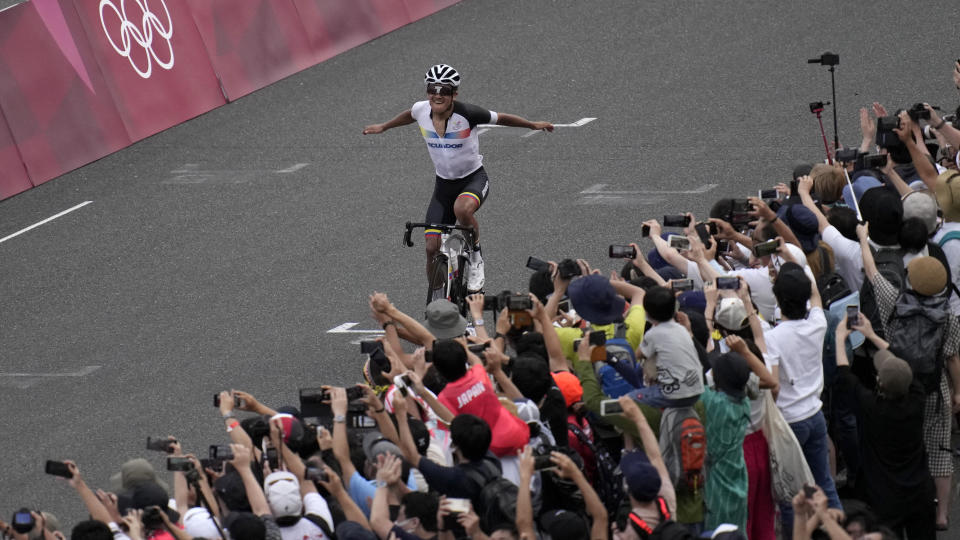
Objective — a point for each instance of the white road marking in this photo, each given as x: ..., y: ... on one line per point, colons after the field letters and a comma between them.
x: 347, y: 328
x: 581, y: 122
x: 49, y: 219
x: 27, y: 380
x: 598, y: 189
x: 294, y: 168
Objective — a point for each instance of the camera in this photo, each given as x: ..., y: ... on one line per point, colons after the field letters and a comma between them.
x: 315, y: 474
x: 541, y: 463
x: 220, y: 451
x: 918, y: 112
x: 682, y: 285
x: 23, y: 521
x: 729, y: 283
x: 568, y: 268
x: 215, y: 465
x: 160, y: 445
x: 870, y: 161
x: 537, y: 265
x: 519, y: 302
x: 886, y: 138
x: 610, y: 406
x: 816, y: 106
x: 847, y: 155
x: 680, y: 243
x: 179, y: 464
x: 888, y: 123
x: 238, y: 403
x: 476, y: 348
x: 767, y: 248
x: 677, y: 220
x: 622, y: 252
x: 826, y: 59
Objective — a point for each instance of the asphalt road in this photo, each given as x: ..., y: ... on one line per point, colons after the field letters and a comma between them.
x: 218, y: 253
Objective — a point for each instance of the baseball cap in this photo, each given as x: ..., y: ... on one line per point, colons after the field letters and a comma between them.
x: 642, y: 478
x: 893, y: 374
x: 595, y: 299
x: 198, y: 523
x: 803, y: 223
x: 374, y: 444
x: 133, y: 472
x: 921, y: 205
x: 926, y: 275
x: 283, y: 494
x: 860, y: 186
x: 292, y: 428
x: 730, y: 373
x: 732, y: 314
x: 244, y: 525
x: 444, y: 320
x: 564, y: 525
x: 569, y: 386
x: 229, y: 488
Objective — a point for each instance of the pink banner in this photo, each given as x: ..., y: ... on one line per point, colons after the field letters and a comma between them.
x: 252, y: 43
x: 335, y: 26
x: 58, y: 109
x: 153, y: 60
x: 14, y: 178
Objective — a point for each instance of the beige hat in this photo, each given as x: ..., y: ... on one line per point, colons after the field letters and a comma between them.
x: 927, y: 275
x: 948, y: 194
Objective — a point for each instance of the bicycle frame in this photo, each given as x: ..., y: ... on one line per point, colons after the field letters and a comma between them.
x: 454, y: 246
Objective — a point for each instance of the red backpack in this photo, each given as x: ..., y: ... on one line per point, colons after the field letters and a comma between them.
x: 693, y: 451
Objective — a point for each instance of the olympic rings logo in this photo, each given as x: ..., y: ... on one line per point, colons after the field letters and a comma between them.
x: 133, y: 36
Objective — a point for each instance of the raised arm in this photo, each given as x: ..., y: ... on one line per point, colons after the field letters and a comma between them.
x: 921, y: 160
x: 641, y: 263
x: 767, y: 380
x: 524, y: 519
x: 440, y: 409
x: 669, y: 254
x: 419, y: 334
x: 388, y: 474
x: 95, y: 508
x: 567, y: 469
x: 869, y: 265
x: 402, y: 119
x: 512, y: 120
x: 241, y: 462
x: 341, y: 447
x: 804, y: 185
x: 650, y: 445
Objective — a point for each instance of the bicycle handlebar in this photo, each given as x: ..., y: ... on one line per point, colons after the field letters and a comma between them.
x: 445, y: 229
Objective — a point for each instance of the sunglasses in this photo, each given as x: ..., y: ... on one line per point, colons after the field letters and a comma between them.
x: 439, y: 89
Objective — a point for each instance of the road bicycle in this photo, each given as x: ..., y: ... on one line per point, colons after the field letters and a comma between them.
x: 449, y: 268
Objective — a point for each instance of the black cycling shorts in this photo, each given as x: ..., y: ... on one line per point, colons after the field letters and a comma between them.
x: 446, y: 192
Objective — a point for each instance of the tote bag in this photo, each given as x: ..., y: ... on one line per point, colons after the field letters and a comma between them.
x: 788, y: 467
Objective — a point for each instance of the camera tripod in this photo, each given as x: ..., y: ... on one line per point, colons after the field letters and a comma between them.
x: 831, y: 60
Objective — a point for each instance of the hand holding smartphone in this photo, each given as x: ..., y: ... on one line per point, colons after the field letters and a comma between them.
x: 58, y: 468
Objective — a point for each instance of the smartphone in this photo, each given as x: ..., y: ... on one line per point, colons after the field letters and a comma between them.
x: 159, y: 445
x: 723, y: 246
x: 794, y: 188
x: 215, y: 465
x: 809, y: 491
x: 645, y: 231
x: 458, y: 506
x: 676, y: 220
x: 680, y: 243
x: 541, y: 463
x: 490, y: 303
x: 221, y: 451
x: 476, y: 348
x: 179, y: 464
x: 704, y: 230
x: 370, y: 346
x: 598, y: 338
x: 610, y: 406
x: 622, y: 252
x: 682, y: 284
x: 58, y: 468
x: 767, y: 248
x: 237, y: 403
x: 853, y: 315
x: 767, y: 194
x: 315, y: 473
x: 730, y: 283
x: 537, y: 265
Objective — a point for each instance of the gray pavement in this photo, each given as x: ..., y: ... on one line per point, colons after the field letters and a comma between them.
x: 218, y: 253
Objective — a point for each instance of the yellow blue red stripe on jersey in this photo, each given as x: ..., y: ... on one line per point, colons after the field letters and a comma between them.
x: 427, y: 134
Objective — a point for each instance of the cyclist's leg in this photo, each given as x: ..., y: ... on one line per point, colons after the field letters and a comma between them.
x: 470, y: 199
x: 439, y: 211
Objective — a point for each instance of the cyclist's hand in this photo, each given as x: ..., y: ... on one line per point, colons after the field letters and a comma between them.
x: 475, y: 302
x: 545, y: 126
x: 373, y: 129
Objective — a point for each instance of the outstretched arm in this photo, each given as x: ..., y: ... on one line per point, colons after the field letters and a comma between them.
x: 402, y: 119
x: 512, y: 120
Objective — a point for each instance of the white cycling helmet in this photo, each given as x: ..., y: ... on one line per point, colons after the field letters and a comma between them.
x: 442, y: 74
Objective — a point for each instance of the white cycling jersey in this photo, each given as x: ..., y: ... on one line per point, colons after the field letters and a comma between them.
x: 456, y: 153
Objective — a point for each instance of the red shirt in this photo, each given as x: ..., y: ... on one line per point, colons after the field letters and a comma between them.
x: 473, y: 394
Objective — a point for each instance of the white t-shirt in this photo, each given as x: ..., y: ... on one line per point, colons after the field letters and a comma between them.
x: 952, y: 250
x: 305, y: 529
x: 679, y: 373
x: 761, y: 290
x: 796, y: 346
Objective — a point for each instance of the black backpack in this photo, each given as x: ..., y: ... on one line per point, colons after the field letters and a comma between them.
x: 915, y: 332
x: 609, y: 484
x: 497, y: 502
x: 667, y: 529
x: 890, y: 265
x: 830, y: 284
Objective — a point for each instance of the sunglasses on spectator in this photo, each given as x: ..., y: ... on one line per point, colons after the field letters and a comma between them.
x: 440, y: 89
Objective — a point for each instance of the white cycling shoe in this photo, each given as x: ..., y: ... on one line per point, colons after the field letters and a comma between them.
x: 475, y: 278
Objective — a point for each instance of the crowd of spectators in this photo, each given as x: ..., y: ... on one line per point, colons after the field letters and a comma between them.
x: 787, y: 367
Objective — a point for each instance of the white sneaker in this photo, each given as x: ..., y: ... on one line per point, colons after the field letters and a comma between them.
x: 475, y: 279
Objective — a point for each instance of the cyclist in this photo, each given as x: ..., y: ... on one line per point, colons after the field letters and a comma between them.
x: 461, y: 185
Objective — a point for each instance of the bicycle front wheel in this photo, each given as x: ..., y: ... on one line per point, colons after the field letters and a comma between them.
x: 437, y: 278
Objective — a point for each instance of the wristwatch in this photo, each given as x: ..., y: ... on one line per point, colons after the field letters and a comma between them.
x: 229, y: 414
x: 341, y: 419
